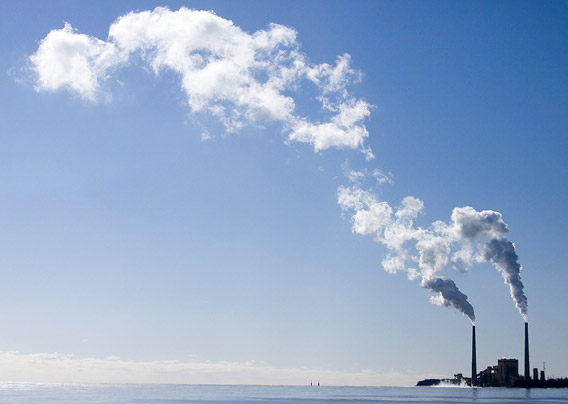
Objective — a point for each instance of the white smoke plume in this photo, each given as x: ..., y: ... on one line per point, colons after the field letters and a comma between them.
x: 502, y: 254
x: 484, y: 232
x: 240, y: 78
x: 395, y: 229
x: 250, y: 79
x: 470, y: 236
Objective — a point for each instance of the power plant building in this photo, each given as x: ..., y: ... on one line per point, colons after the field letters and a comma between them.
x: 505, y: 373
x: 508, y: 371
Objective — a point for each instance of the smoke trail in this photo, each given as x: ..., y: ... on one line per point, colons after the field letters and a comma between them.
x: 247, y: 79
x: 470, y: 236
x: 448, y: 295
x: 501, y: 253
x: 394, y: 228
x: 473, y: 229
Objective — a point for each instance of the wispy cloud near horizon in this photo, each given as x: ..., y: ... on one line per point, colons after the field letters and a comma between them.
x: 59, y: 368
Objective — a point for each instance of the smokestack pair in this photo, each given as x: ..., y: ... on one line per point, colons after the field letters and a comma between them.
x: 474, y: 356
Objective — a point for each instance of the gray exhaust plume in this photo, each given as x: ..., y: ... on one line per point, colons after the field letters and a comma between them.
x: 501, y: 253
x: 470, y: 236
x: 448, y: 295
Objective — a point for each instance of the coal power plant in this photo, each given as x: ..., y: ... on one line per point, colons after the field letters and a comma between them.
x: 504, y: 374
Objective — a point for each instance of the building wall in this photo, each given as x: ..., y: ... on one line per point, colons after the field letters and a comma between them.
x: 508, y: 371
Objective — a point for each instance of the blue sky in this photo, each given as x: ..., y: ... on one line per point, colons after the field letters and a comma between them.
x: 129, y: 241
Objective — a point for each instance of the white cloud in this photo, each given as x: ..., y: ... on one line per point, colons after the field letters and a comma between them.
x: 58, y: 368
x: 378, y: 219
x: 334, y: 78
x: 382, y: 178
x: 66, y: 59
x: 241, y: 78
x: 410, y: 208
x: 394, y: 263
x: 357, y: 177
x: 351, y: 112
x: 354, y: 198
x: 325, y: 135
x: 354, y: 176
x: 343, y: 131
x: 205, y: 136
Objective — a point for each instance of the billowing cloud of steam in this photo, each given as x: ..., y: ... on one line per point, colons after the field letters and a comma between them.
x: 394, y: 228
x: 248, y: 79
x: 470, y: 236
x: 502, y: 254
x: 448, y: 295
x: 237, y: 77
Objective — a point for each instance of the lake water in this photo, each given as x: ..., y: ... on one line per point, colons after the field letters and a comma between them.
x: 46, y: 393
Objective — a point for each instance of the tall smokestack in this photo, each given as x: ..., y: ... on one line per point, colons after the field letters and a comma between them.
x: 473, y: 358
x: 527, y: 363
